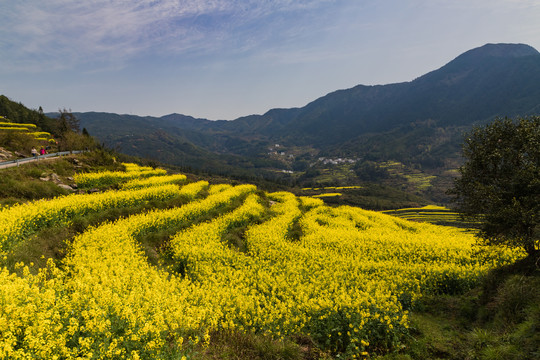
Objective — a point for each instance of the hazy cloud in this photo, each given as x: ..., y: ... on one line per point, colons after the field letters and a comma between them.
x: 60, y: 34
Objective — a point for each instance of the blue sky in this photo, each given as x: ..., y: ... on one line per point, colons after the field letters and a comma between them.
x: 221, y: 59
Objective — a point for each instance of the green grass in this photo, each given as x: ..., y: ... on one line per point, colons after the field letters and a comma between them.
x: 19, y: 184
x: 499, y: 320
x: 417, y: 179
x: 22, y: 183
x: 367, y: 196
x: 420, y: 181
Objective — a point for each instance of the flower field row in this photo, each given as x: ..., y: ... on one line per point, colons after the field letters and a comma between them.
x: 13, y: 128
x: 24, y: 128
x: 345, y: 282
x: 109, y: 178
x: 433, y: 214
x: 276, y: 265
x: 132, y: 167
x: 153, y: 181
x: 113, y: 302
x: 17, y: 125
x: 20, y: 221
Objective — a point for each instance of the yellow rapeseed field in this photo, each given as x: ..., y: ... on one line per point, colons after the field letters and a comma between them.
x: 344, y: 276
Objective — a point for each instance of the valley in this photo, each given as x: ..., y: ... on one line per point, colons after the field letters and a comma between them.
x: 419, y: 124
x: 319, y: 232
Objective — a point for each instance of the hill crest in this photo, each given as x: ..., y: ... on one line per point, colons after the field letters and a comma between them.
x: 503, y: 50
x: 418, y: 123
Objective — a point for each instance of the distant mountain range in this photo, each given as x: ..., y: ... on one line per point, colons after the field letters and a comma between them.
x: 418, y: 123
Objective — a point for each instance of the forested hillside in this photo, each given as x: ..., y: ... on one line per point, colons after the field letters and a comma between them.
x: 22, y: 129
x: 418, y: 124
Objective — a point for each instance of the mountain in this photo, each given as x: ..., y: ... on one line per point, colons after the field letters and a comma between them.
x: 418, y: 123
x: 494, y: 80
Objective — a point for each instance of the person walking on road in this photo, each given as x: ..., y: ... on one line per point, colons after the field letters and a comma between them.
x: 34, y: 152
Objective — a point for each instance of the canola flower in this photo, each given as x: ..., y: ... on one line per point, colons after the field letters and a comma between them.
x: 432, y: 214
x: 109, y: 178
x: 218, y: 188
x: 18, y: 125
x: 327, y: 195
x: 20, y: 221
x: 132, y: 167
x: 13, y: 128
x: 153, y: 181
x: 269, y: 289
x: 282, y: 286
x: 344, y: 276
x: 109, y: 301
x: 350, y: 187
x: 308, y: 202
x: 152, y: 304
x: 41, y: 134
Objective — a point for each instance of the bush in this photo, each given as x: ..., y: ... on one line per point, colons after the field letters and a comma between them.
x: 514, y: 297
x: 17, y: 141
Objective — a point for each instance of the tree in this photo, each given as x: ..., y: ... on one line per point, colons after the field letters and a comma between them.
x: 68, y: 121
x: 500, y: 182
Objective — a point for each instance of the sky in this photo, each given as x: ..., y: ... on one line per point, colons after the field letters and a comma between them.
x: 223, y: 59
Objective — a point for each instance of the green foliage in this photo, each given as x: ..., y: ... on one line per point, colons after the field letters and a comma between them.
x: 437, y: 215
x: 101, y: 159
x: 65, y: 129
x: 18, y: 141
x: 500, y: 182
x: 375, y: 197
x: 22, y: 183
x: 449, y: 283
x: 75, y: 141
x: 514, y: 297
x: 18, y: 113
x: 370, y: 171
x: 68, y: 122
x: 48, y: 243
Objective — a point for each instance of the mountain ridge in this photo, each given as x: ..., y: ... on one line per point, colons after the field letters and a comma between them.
x: 418, y: 123
x: 366, y: 101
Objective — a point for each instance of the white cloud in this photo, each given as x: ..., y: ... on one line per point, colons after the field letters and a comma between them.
x: 60, y: 34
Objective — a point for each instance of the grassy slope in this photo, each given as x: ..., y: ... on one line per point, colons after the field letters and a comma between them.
x: 499, y: 320
x: 19, y: 184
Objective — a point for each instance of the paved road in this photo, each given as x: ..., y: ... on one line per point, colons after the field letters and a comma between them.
x: 18, y: 162
x: 27, y: 160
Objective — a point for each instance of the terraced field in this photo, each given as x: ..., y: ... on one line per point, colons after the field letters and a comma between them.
x: 230, y: 259
x: 432, y: 214
x: 30, y: 129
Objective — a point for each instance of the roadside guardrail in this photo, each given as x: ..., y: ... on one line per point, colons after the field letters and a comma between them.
x: 17, y: 162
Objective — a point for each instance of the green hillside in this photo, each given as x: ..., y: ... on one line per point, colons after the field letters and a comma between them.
x: 417, y: 123
x: 22, y: 129
x: 18, y: 113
